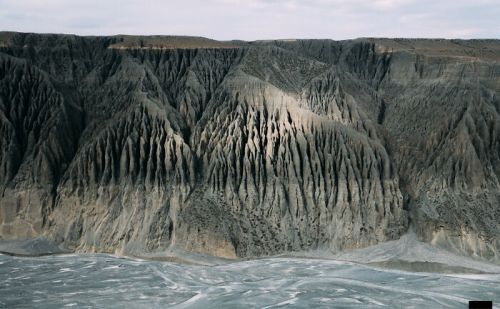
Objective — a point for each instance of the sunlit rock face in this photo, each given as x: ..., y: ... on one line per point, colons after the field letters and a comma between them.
x: 136, y: 144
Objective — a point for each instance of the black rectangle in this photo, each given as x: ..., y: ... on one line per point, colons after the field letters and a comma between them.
x: 480, y: 304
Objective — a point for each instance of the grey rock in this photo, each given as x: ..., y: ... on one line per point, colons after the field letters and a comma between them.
x: 30, y: 247
x: 134, y: 145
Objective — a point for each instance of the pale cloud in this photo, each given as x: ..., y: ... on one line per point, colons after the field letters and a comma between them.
x: 391, y: 4
x: 257, y: 19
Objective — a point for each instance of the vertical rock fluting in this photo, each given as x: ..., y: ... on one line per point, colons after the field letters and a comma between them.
x: 442, y: 116
x: 39, y: 131
x: 297, y: 179
x: 245, y: 151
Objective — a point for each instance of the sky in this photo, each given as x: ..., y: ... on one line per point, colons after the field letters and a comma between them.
x: 257, y: 19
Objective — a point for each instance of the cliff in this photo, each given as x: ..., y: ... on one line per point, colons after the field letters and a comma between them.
x: 137, y: 144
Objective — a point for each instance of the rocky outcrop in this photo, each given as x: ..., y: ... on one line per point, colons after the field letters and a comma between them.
x: 237, y: 149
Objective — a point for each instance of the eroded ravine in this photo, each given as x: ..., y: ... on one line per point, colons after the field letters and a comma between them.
x: 250, y: 149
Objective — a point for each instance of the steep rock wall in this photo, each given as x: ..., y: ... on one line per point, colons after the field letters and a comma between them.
x: 249, y: 150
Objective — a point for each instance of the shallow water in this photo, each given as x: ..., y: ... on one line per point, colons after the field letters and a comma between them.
x: 104, y: 281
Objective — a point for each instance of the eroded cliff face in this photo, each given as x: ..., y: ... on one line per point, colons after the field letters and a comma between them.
x: 248, y: 149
